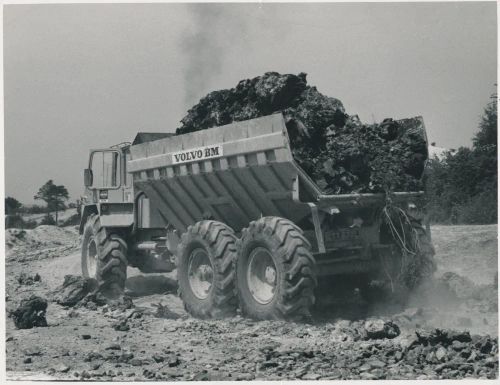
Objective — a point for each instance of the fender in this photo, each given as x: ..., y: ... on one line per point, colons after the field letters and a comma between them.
x: 110, y: 214
x: 87, y: 211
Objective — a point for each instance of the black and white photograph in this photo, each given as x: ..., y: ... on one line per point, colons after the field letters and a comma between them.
x: 250, y: 191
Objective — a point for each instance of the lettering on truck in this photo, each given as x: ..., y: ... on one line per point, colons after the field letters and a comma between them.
x: 197, y: 154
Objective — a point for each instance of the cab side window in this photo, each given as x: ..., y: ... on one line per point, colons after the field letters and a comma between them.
x: 105, y: 166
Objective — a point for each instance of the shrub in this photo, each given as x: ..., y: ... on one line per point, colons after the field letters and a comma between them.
x: 17, y: 222
x: 71, y: 221
x: 48, y: 220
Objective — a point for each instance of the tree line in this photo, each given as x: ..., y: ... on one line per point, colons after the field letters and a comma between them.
x: 461, y: 187
x: 54, y: 196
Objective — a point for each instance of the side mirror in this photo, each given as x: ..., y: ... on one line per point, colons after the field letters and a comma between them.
x: 87, y: 177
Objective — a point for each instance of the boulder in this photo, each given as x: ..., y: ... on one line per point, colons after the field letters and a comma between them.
x: 74, y: 289
x: 378, y: 329
x: 30, y: 313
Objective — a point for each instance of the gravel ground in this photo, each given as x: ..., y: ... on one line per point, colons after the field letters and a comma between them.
x: 350, y: 340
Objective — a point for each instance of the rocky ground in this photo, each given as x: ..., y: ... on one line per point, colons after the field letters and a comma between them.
x: 447, y: 331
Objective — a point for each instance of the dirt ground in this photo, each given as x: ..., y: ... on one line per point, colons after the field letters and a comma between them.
x: 83, y: 344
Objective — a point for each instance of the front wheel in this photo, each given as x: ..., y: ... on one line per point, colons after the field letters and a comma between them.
x: 275, y: 270
x: 205, y: 270
x: 104, y: 257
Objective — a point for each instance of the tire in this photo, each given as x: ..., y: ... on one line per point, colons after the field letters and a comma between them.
x: 275, y: 271
x: 110, y: 253
x: 205, y: 270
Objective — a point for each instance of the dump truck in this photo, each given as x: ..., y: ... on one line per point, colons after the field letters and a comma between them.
x: 232, y: 212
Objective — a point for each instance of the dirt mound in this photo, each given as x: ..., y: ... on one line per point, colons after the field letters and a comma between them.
x: 44, y: 235
x: 45, y: 241
x: 339, y: 152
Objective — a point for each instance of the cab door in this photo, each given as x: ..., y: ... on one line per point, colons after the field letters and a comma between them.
x: 106, y: 175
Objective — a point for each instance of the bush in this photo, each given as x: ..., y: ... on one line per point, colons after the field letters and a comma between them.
x: 48, y: 220
x: 462, y: 187
x: 479, y: 210
x: 17, y: 222
x: 33, y: 209
x: 71, y: 221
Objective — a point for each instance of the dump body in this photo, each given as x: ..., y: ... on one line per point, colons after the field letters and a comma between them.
x: 235, y: 174
x: 243, y: 171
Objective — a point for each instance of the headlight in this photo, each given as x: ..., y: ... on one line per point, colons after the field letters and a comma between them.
x: 103, y: 194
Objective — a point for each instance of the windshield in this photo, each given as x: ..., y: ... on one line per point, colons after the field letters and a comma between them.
x: 105, y: 166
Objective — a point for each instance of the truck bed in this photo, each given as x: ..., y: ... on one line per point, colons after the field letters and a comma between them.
x: 234, y: 173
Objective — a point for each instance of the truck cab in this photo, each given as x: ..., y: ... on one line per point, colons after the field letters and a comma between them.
x: 108, y: 187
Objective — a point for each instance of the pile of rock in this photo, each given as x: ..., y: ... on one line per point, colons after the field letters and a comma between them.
x: 427, y: 354
x: 339, y: 152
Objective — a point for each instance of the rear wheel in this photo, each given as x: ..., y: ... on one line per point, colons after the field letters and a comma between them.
x: 104, y: 257
x: 205, y: 270
x: 275, y: 270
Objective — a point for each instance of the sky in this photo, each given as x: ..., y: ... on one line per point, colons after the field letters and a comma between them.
x: 82, y: 76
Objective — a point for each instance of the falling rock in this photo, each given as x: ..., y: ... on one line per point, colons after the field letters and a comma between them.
x: 30, y: 313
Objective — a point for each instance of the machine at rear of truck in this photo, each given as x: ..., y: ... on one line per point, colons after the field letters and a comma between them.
x: 242, y: 223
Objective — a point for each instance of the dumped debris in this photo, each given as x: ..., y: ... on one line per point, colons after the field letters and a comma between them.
x: 378, y: 329
x: 30, y: 313
x: 121, y: 326
x: 25, y: 279
x: 74, y: 289
x: 443, y: 337
x: 162, y: 311
x: 341, y: 154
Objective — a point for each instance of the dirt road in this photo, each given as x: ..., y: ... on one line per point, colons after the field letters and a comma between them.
x: 80, y: 343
